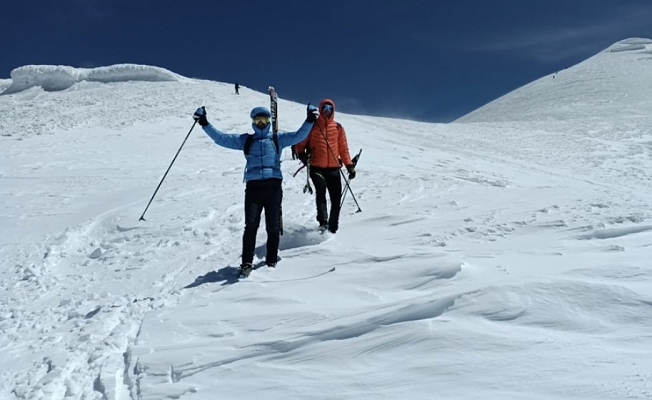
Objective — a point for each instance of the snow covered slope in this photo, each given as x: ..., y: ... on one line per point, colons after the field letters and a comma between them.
x: 4, y: 84
x: 51, y: 98
x: 616, y: 79
x: 493, y: 260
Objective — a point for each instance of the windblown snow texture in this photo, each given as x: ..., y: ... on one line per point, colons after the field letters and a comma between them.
x: 504, y: 256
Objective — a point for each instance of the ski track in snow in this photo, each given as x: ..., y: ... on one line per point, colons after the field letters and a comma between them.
x: 505, y: 257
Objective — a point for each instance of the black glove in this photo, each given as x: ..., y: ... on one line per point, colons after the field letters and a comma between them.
x: 351, y: 170
x: 200, y: 116
x: 304, y: 158
x: 313, y: 113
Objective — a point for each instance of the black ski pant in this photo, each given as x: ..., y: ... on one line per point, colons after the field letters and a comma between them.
x: 262, y: 195
x: 327, y: 179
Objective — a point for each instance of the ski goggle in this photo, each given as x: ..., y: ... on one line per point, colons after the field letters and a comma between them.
x: 260, y: 118
x: 327, y: 108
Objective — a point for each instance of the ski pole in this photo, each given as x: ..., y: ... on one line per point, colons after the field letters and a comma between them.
x: 307, y: 187
x: 299, y: 170
x: 142, y: 217
x: 355, y: 164
x: 346, y: 187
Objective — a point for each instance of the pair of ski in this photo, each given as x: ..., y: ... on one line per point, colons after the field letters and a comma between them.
x: 273, y: 106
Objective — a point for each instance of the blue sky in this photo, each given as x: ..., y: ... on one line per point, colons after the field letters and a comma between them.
x: 431, y: 60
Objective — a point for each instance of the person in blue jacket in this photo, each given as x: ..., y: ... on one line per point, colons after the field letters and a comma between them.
x: 263, y: 175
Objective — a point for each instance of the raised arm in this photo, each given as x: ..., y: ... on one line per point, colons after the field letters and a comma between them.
x: 291, y: 138
x: 287, y: 139
x: 228, y: 140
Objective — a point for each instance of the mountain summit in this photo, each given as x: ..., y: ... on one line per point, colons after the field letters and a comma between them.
x: 619, y: 77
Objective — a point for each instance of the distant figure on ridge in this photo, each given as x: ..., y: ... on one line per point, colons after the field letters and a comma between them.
x: 237, y: 88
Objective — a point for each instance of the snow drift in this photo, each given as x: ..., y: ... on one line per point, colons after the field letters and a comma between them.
x: 4, y: 84
x: 97, y: 95
x: 60, y: 77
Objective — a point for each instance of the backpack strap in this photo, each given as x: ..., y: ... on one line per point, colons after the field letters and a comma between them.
x: 250, y: 139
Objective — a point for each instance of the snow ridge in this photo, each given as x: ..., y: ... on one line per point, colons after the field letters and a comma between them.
x: 630, y: 44
x: 60, y: 77
x: 620, y: 74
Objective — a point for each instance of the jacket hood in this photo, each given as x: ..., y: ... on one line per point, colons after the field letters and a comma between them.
x: 260, y: 111
x: 261, y: 133
x: 321, y: 104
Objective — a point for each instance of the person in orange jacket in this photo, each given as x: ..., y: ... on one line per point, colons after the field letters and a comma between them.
x: 326, y: 149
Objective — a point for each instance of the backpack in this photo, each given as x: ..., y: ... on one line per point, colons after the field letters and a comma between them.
x: 250, y: 139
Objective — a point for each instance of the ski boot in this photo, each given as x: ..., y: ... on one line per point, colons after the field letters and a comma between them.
x: 245, y: 270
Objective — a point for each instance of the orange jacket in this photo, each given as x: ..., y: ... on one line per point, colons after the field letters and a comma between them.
x: 324, y: 131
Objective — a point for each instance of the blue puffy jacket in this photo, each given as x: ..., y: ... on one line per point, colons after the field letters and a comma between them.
x: 263, y: 162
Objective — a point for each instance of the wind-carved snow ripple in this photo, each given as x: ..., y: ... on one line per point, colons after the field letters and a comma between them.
x: 412, y: 313
x: 612, y: 233
x: 427, y: 271
x: 421, y: 311
x: 562, y: 305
